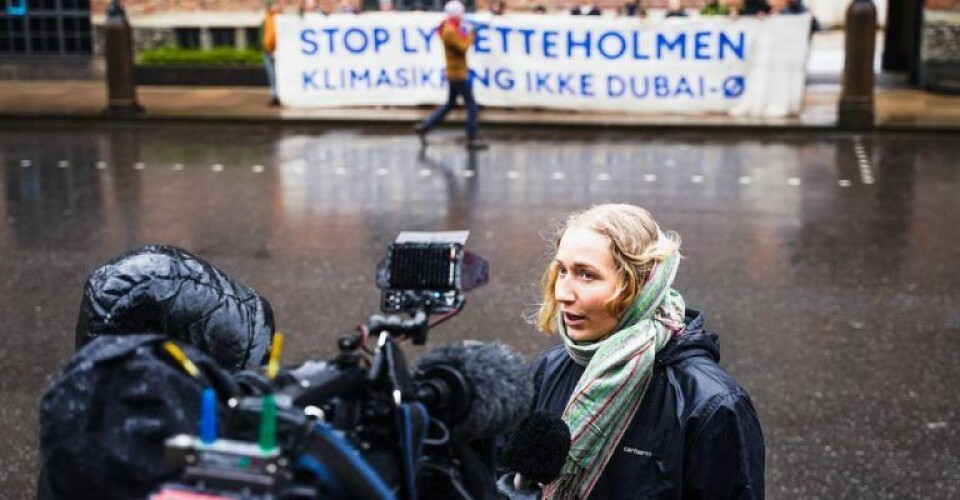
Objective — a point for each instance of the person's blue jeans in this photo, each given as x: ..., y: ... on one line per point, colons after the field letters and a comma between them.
x: 461, y: 88
x: 270, y: 65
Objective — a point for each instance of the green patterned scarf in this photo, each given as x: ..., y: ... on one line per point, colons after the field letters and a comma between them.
x: 618, y: 369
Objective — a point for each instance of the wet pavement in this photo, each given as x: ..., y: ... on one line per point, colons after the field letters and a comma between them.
x: 827, y: 263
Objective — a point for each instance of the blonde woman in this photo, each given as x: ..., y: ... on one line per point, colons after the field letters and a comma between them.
x: 651, y: 413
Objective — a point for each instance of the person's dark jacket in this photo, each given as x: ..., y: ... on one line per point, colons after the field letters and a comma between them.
x: 166, y: 290
x: 755, y: 7
x: 592, y: 11
x: 696, y: 434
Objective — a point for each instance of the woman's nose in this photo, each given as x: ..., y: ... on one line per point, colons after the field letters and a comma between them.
x: 563, y: 291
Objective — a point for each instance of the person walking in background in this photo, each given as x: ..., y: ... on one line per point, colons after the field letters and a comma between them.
x: 675, y: 9
x: 792, y: 7
x: 347, y: 7
x: 729, y: 8
x: 456, y: 42
x: 584, y: 8
x: 758, y: 8
x: 309, y: 7
x: 269, y: 46
x: 633, y: 8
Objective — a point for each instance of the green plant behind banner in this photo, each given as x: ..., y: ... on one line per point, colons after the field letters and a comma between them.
x: 218, y: 56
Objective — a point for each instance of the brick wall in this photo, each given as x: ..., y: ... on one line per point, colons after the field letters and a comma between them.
x: 942, y: 4
x: 146, y: 7
x: 565, y: 5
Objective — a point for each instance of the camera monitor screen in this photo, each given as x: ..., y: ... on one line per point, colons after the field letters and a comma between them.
x: 423, y: 266
x: 428, y: 271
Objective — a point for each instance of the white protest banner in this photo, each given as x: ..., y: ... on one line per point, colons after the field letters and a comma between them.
x: 752, y: 67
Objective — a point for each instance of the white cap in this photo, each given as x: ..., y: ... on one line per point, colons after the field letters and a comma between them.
x: 453, y: 8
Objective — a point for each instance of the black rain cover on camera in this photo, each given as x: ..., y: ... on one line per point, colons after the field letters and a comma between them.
x: 104, y: 419
x: 166, y: 290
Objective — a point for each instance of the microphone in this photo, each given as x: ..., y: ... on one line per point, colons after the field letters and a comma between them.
x: 537, y: 449
x: 478, y: 389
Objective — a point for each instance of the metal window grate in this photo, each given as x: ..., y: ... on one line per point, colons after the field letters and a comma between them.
x: 45, y: 27
x: 188, y: 38
x: 223, y: 37
x: 254, y: 39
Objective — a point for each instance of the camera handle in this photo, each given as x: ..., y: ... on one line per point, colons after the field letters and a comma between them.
x: 389, y: 368
x: 415, y: 327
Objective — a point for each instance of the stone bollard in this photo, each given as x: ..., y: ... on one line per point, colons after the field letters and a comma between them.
x: 118, y: 49
x: 856, y: 97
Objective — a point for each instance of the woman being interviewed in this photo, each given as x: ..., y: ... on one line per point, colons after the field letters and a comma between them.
x: 651, y: 413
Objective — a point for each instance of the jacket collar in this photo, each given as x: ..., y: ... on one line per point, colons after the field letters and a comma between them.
x: 695, y: 341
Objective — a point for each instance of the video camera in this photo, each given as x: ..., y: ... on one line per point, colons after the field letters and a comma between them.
x: 364, y: 425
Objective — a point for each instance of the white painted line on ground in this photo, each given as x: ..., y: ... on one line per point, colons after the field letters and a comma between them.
x: 340, y: 171
x: 63, y: 164
x: 794, y: 181
x: 603, y: 176
x: 696, y: 179
x: 844, y: 183
x: 513, y: 174
x: 178, y: 167
x: 558, y: 176
x: 650, y: 178
x: 469, y: 173
x: 425, y: 172
x: 866, y: 176
x: 745, y: 180
x: 382, y: 172
x: 257, y: 169
x: 217, y: 167
x: 139, y: 165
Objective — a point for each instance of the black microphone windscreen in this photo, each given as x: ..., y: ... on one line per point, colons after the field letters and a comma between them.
x: 538, y: 447
x: 502, y: 388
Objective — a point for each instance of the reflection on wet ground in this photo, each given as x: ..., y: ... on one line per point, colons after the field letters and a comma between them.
x: 826, y: 263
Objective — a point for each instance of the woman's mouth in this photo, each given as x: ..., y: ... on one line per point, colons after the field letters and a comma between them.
x: 573, y: 320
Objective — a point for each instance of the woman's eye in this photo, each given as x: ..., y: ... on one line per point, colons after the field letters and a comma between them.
x: 587, y: 275
x: 561, y: 271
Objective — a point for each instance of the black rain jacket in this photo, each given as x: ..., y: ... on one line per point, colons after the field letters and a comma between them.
x: 166, y: 290
x: 104, y: 418
x: 695, y: 436
x: 106, y: 415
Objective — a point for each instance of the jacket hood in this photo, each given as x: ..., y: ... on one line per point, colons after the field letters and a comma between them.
x: 695, y: 341
x: 166, y: 290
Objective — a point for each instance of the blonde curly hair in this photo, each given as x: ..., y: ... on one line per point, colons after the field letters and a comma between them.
x: 636, y: 243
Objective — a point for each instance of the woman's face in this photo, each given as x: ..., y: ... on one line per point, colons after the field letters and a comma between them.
x: 586, y: 280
